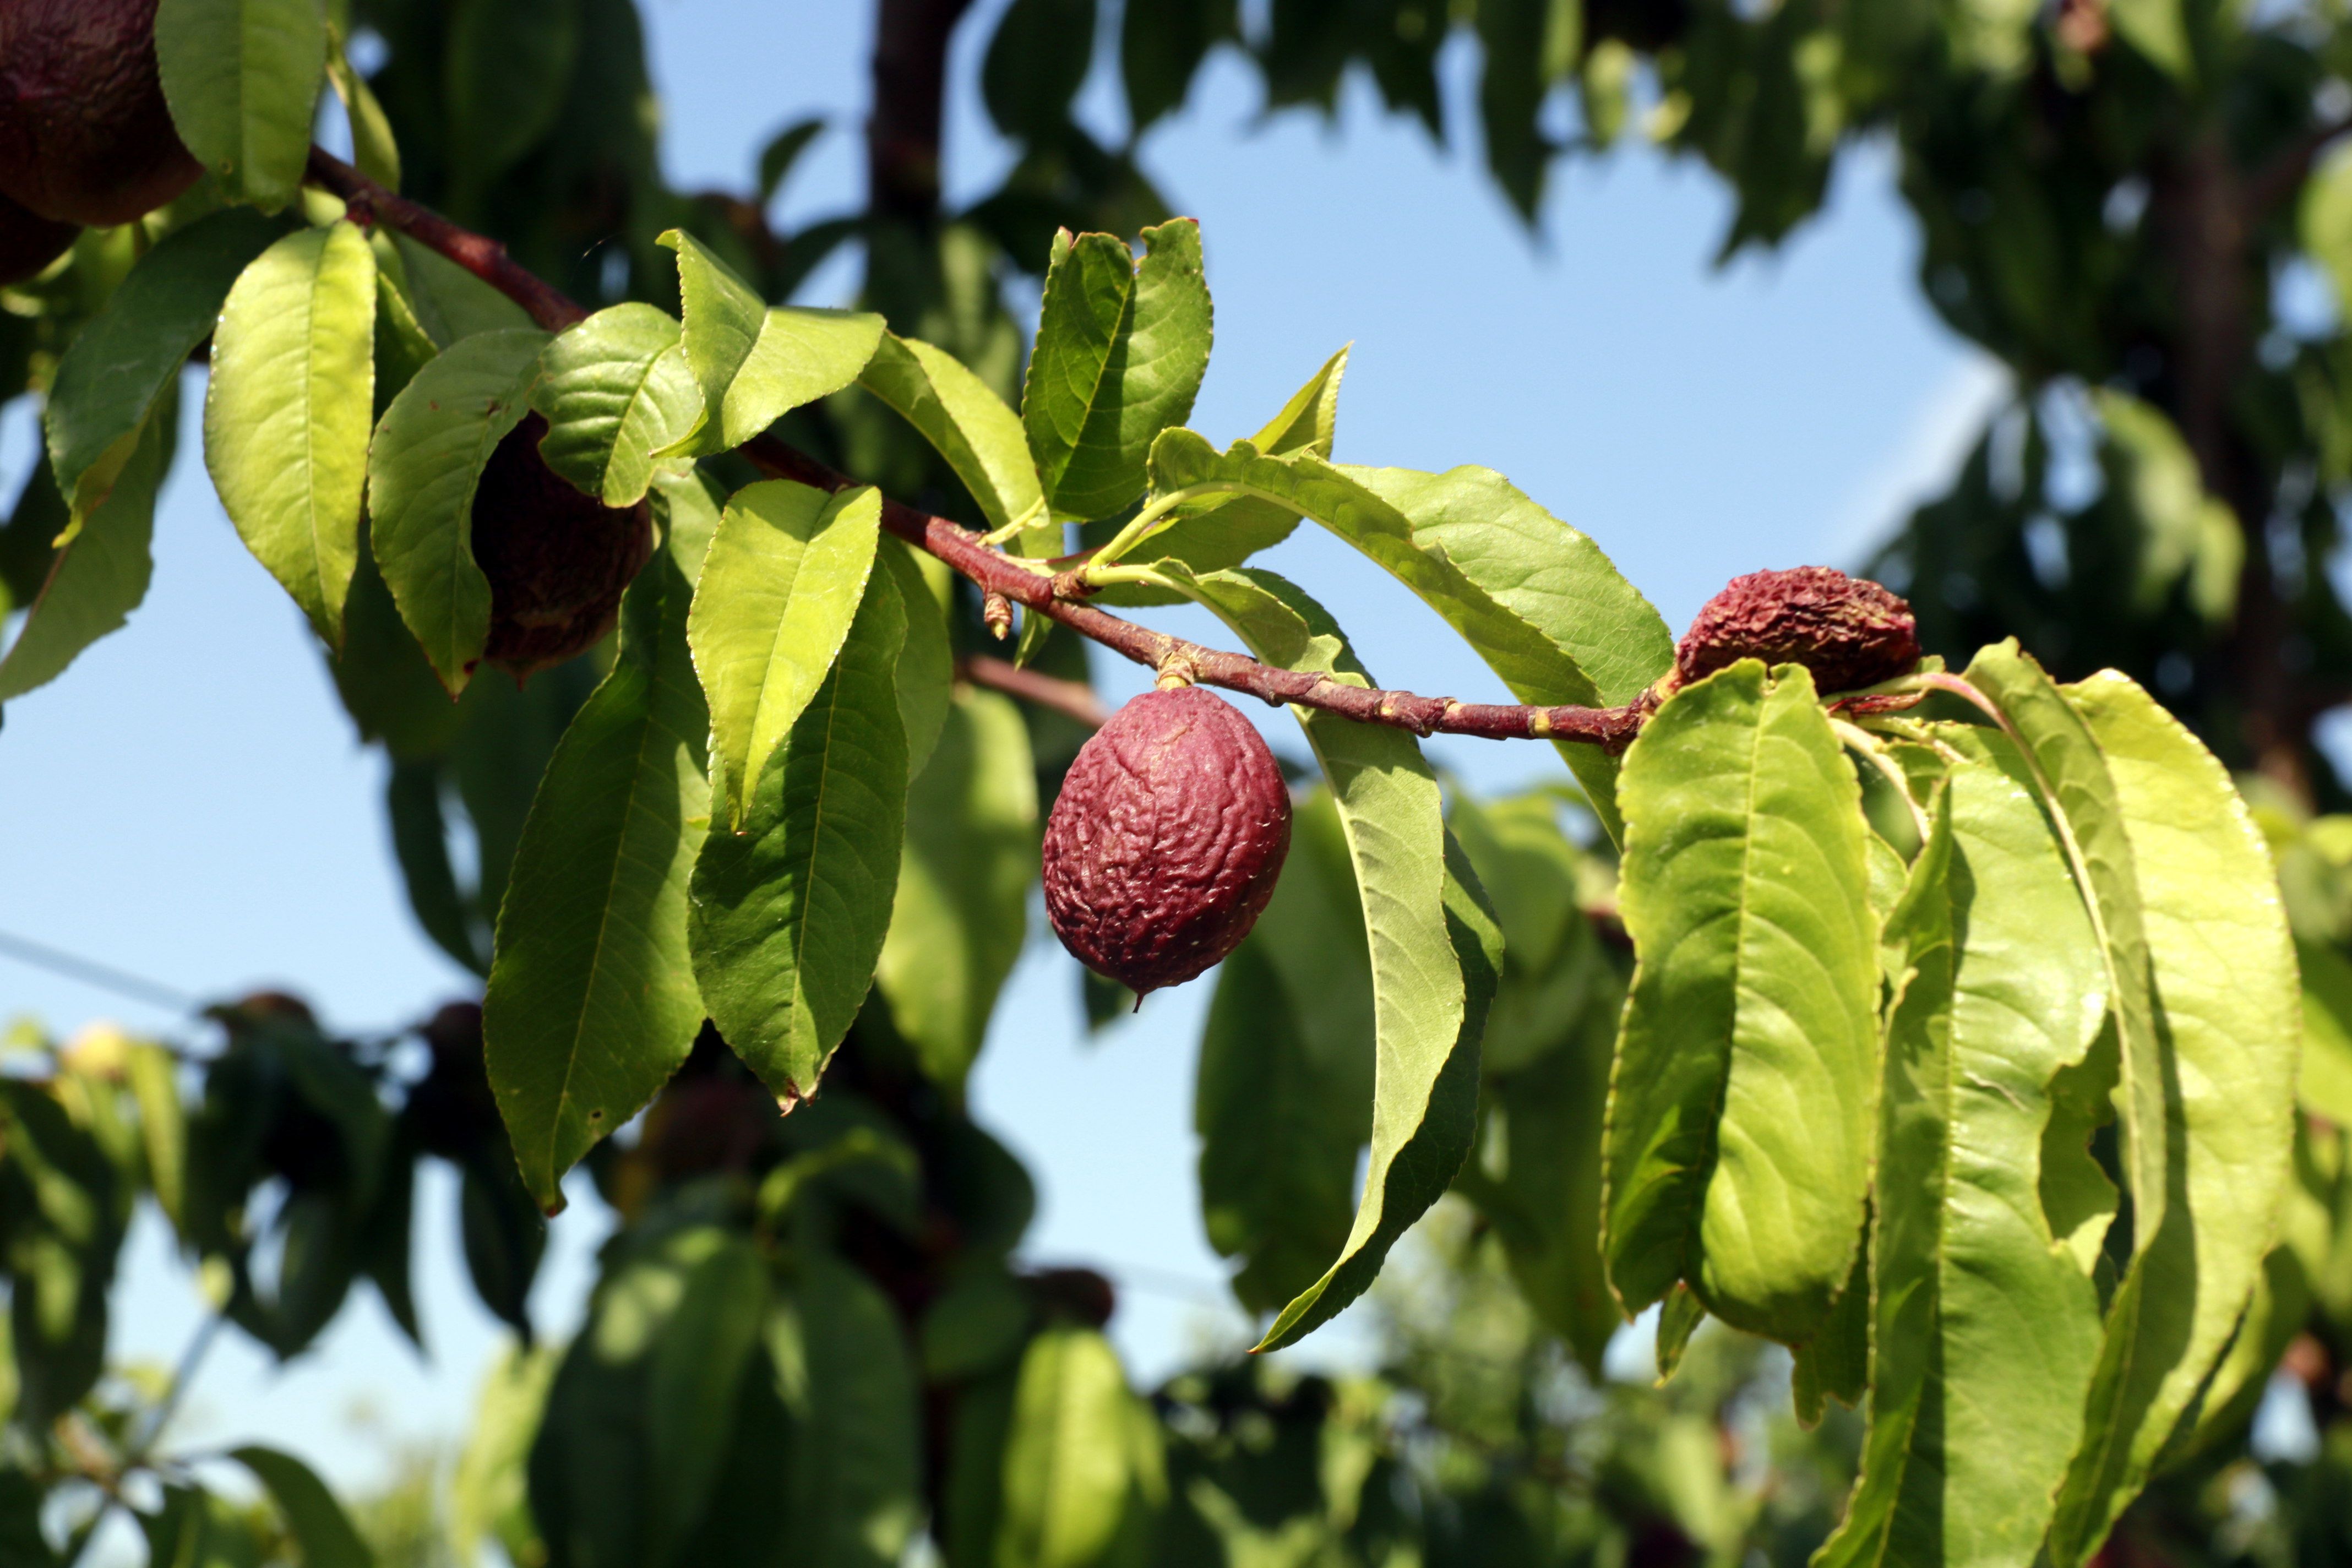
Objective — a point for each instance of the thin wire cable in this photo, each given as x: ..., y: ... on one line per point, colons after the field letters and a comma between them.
x: 90, y: 972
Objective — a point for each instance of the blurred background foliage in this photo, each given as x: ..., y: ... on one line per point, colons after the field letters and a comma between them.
x: 2143, y: 208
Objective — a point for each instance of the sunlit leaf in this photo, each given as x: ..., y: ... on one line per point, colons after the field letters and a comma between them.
x: 317, y: 1521
x: 971, y: 428
x: 121, y: 360
x: 757, y: 362
x: 1283, y: 1097
x: 1741, y: 1105
x: 2228, y: 1011
x: 789, y: 915
x: 427, y: 460
x: 1120, y: 355
x: 591, y: 1002
x: 242, y: 78
x: 100, y: 572
x: 782, y: 581
x: 614, y: 389
x: 1986, y: 1329
x: 844, y: 1371
x: 1082, y: 1460
x: 1543, y: 606
x: 962, y: 908
x: 287, y: 411
x: 1433, y: 950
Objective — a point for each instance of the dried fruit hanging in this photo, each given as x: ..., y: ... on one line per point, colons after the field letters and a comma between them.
x: 558, y: 561
x: 1849, y: 631
x: 1166, y: 840
x: 85, y: 136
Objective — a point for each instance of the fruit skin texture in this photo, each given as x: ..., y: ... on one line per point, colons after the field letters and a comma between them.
x: 1166, y: 840
x: 558, y: 561
x: 85, y: 136
x: 1849, y: 631
x: 28, y: 241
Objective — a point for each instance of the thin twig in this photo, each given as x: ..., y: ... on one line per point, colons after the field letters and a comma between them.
x: 1072, y: 698
x: 1056, y: 598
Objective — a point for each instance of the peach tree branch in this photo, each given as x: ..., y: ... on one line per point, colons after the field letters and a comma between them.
x: 1060, y: 597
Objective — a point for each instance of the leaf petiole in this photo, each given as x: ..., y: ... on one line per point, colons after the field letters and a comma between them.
x: 1872, y: 750
x: 1142, y: 524
x: 1031, y: 516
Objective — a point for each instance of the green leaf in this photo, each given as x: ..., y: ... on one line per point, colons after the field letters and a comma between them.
x: 2227, y: 1010
x: 1986, y: 1329
x: 962, y: 908
x: 427, y: 457
x: 1120, y: 355
x: 1536, y: 1173
x: 615, y: 389
x: 121, y: 361
x: 68, y: 1208
x: 842, y: 1367
x: 2325, y: 220
x: 693, y: 1377
x: 971, y: 428
x: 374, y: 151
x: 757, y: 362
x: 2182, y: 532
x: 2326, y: 1086
x: 680, y: 1304
x: 288, y: 411
x: 592, y: 1002
x: 1082, y: 1461
x: 319, y: 1525
x: 1159, y: 48
x: 506, y: 68
x: 1310, y: 420
x: 1215, y: 531
x: 100, y: 570
x: 2158, y: 29
x: 1430, y: 947
x: 1679, y: 1318
x: 790, y: 914
x: 783, y: 579
x: 1542, y: 606
x: 22, y: 1544
x: 420, y: 843
x: 2090, y: 819
x: 242, y: 78
x: 1552, y: 964
x: 152, y: 1075
x: 487, y: 1498
x: 1035, y: 64
x: 451, y: 303
x: 926, y: 674
x: 1283, y: 1097
x: 1742, y: 1103
x: 782, y: 151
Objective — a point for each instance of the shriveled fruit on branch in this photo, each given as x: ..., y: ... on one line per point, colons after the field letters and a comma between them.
x: 28, y: 241
x: 1849, y: 631
x: 558, y: 561
x: 84, y: 133
x: 1166, y: 840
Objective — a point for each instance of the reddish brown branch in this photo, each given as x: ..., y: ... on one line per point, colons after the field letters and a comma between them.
x: 478, y: 254
x: 1057, y: 598
x: 1072, y: 698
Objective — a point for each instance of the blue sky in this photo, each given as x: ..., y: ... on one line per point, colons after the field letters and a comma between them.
x: 188, y: 802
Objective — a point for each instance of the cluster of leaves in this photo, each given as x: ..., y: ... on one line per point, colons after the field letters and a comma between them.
x: 283, y: 1164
